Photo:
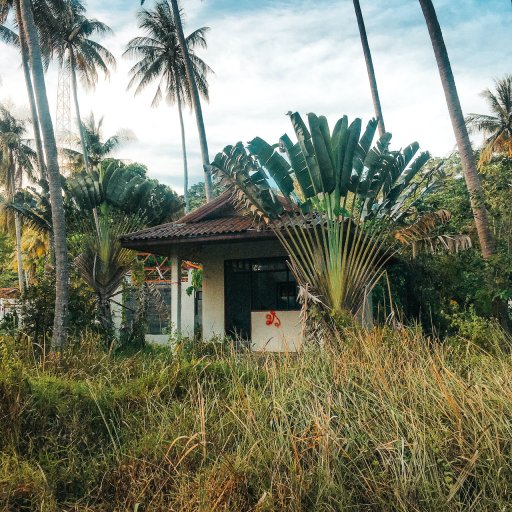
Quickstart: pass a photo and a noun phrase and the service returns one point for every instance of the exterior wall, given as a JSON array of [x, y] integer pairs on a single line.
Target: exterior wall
[[187, 309], [187, 315], [213, 277], [7, 306], [281, 332]]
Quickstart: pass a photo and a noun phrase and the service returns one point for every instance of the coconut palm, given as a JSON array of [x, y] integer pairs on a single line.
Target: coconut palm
[[9, 37], [16, 160], [67, 36], [497, 126], [196, 101], [161, 59], [54, 177], [485, 236], [98, 149], [369, 67]]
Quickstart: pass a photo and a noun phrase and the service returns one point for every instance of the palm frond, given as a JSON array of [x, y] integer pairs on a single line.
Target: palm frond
[[9, 37], [160, 57]]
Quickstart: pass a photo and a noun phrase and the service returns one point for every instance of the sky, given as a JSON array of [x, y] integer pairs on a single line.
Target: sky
[[271, 57]]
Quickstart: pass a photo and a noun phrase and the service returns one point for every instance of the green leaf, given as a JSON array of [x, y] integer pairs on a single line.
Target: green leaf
[[323, 153], [354, 131], [308, 151], [277, 166]]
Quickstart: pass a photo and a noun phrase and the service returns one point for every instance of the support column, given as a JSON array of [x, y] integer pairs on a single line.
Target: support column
[[176, 292]]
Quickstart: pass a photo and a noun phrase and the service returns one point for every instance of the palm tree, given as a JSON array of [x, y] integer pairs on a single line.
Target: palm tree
[[15, 160], [126, 200], [196, 102], [369, 67], [97, 148], [161, 59], [66, 35], [19, 40], [497, 126], [485, 236], [54, 177]]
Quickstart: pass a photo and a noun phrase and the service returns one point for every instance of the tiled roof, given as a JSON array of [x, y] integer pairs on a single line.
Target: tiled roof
[[217, 220], [9, 293], [209, 227]]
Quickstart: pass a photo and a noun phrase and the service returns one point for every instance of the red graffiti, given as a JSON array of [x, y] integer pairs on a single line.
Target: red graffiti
[[272, 318]]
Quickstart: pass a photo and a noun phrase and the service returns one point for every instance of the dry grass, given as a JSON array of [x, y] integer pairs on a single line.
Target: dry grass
[[392, 422]]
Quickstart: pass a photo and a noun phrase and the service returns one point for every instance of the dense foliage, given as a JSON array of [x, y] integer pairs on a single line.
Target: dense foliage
[[392, 423], [440, 288]]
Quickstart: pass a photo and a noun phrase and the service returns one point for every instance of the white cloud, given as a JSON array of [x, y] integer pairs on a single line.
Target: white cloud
[[303, 56]]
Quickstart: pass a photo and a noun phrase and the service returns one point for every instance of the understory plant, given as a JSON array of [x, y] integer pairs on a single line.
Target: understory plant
[[393, 422], [114, 200], [332, 200]]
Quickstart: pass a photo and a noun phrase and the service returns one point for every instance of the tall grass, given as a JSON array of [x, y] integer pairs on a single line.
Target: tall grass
[[394, 421]]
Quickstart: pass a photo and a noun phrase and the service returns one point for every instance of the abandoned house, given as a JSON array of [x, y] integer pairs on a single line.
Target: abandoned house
[[248, 291]]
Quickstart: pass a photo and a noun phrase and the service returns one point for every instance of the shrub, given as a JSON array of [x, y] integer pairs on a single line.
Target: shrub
[[393, 421]]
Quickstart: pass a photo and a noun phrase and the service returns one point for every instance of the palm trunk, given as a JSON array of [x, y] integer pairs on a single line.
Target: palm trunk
[[196, 102], [31, 99], [369, 67], [184, 150], [25, 60], [54, 179], [485, 236], [17, 226], [105, 314], [77, 110]]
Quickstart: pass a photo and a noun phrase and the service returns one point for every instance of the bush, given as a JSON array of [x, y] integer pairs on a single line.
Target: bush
[[393, 422], [39, 304]]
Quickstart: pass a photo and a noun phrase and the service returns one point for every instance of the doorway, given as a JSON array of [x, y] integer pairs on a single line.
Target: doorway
[[263, 284]]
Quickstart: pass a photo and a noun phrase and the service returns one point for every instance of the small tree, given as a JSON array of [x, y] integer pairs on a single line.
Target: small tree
[[125, 200]]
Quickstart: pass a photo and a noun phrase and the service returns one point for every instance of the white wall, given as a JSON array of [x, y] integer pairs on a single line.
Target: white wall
[[213, 277], [187, 315], [282, 333], [7, 306], [187, 309]]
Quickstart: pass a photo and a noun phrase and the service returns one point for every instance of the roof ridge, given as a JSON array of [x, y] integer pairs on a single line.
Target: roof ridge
[[204, 210]]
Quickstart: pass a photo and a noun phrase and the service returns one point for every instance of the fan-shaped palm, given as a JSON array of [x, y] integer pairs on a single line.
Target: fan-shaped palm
[[337, 196], [497, 126], [162, 60], [126, 200], [16, 159], [67, 36]]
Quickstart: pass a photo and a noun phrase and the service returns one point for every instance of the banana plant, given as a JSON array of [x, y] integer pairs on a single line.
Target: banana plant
[[330, 199]]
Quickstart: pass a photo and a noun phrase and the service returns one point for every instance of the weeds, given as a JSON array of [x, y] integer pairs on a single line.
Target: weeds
[[393, 421]]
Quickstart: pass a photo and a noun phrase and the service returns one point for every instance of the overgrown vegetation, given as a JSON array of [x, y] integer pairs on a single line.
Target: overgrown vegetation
[[395, 421]]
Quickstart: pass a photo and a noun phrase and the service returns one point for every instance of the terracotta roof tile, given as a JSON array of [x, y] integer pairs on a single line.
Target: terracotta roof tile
[[9, 293], [210, 227]]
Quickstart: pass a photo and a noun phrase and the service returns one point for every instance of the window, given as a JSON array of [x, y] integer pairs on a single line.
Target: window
[[270, 282], [158, 307]]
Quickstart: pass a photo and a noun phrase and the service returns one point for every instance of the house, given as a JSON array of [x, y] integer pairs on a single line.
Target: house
[[158, 278], [9, 301], [248, 291]]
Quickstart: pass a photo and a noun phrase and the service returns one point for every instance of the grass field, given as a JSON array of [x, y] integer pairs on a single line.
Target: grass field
[[393, 421]]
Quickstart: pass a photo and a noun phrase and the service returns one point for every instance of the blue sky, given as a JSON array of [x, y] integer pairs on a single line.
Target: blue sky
[[270, 57]]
